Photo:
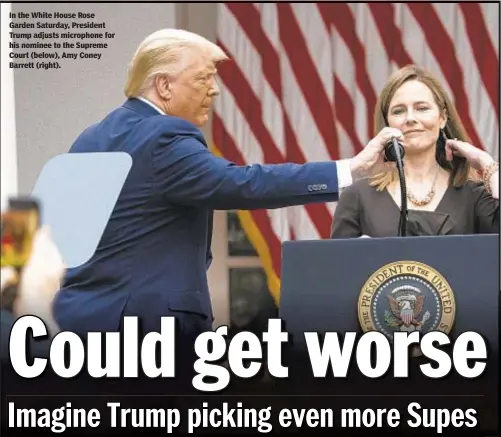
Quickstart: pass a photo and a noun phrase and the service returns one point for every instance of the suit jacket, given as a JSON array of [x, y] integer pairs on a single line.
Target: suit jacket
[[152, 258]]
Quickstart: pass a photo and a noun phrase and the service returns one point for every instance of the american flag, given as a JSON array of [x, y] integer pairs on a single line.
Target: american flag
[[304, 79]]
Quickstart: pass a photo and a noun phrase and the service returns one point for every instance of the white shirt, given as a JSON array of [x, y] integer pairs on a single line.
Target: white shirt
[[344, 178]]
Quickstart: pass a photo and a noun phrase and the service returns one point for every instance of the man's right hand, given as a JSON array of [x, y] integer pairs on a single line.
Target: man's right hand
[[370, 161]]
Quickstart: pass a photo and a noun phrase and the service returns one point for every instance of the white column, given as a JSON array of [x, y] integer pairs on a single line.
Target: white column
[[8, 123]]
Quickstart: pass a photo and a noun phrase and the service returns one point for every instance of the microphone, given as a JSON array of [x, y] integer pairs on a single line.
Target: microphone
[[394, 151], [391, 152]]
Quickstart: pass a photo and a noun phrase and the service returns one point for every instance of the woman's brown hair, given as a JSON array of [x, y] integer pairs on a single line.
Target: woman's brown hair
[[459, 168]]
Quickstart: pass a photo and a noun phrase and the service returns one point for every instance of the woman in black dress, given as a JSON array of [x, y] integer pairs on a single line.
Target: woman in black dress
[[452, 186]]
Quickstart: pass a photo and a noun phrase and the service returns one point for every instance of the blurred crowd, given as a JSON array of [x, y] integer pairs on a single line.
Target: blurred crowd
[[34, 289]]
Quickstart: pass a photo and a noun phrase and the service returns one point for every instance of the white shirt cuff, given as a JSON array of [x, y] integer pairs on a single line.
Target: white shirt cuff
[[344, 178]]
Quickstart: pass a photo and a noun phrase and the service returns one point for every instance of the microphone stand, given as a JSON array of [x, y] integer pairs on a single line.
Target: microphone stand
[[402, 227], [395, 152]]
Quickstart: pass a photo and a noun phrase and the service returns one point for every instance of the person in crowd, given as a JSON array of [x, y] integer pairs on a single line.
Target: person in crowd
[[35, 287], [452, 187], [155, 250]]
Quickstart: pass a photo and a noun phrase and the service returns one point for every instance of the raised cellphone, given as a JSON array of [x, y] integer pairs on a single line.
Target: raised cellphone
[[19, 225]]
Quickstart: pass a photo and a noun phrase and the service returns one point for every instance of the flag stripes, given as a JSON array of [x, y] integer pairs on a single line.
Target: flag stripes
[[305, 78]]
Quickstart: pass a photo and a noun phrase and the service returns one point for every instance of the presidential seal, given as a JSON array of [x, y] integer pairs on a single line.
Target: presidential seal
[[406, 296]]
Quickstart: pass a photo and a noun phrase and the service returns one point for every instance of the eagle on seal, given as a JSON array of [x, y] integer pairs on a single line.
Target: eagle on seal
[[404, 311]]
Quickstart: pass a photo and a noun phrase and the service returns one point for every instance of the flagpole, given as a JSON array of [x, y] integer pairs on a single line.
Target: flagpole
[[9, 182]]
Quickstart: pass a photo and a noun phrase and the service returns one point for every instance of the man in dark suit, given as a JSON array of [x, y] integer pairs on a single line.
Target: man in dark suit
[[154, 253]]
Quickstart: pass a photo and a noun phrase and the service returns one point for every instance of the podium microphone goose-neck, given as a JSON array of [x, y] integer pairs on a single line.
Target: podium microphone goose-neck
[[394, 152]]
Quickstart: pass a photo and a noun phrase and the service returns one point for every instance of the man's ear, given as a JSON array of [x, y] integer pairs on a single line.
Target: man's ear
[[163, 86]]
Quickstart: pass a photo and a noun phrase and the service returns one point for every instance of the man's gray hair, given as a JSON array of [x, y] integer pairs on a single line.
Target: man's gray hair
[[163, 52]]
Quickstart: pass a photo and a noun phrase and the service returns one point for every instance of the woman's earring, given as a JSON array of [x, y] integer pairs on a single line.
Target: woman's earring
[[444, 137], [440, 152]]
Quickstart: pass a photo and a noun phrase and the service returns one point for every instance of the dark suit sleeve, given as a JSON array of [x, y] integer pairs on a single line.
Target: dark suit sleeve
[[188, 173], [486, 211], [346, 221]]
